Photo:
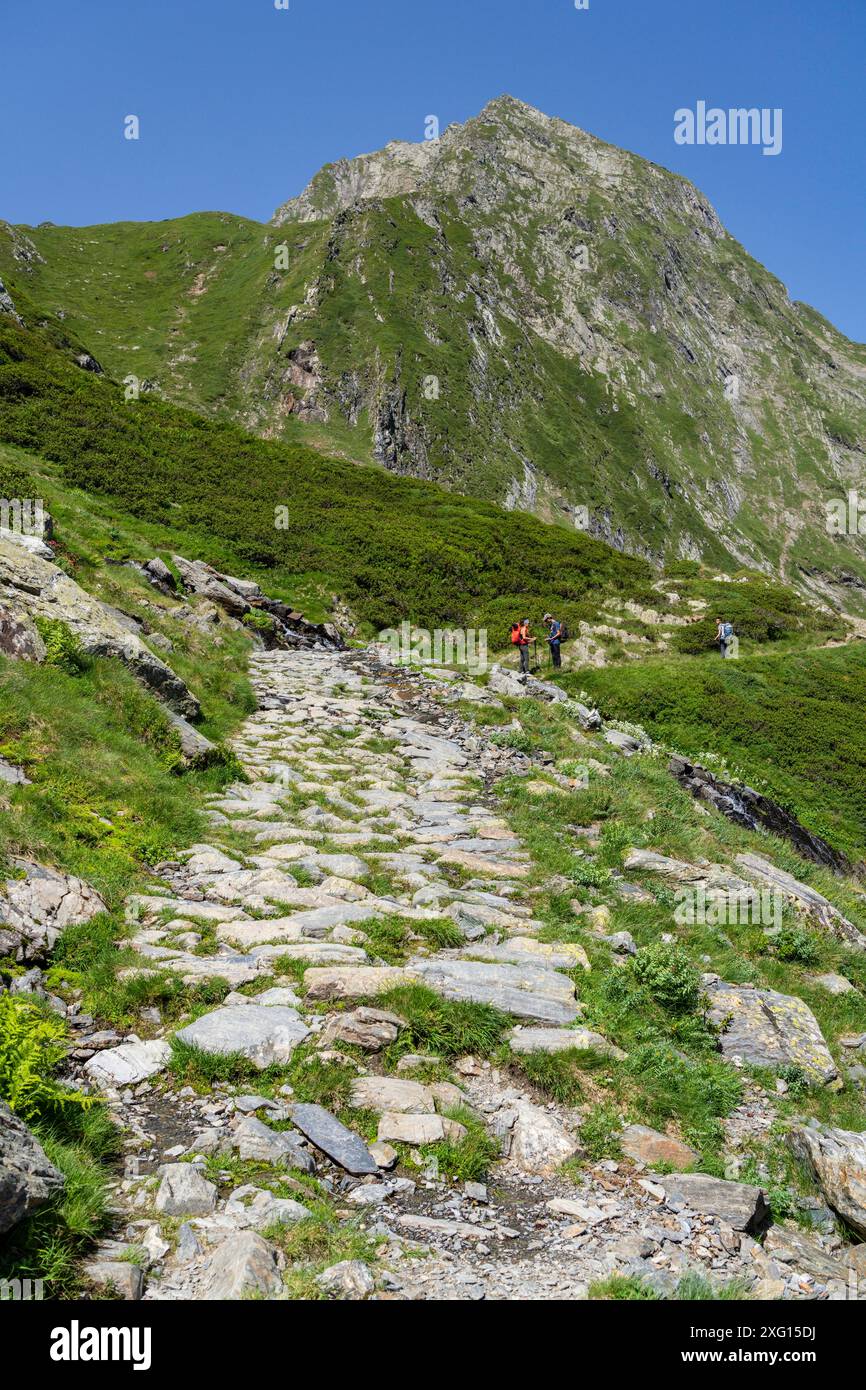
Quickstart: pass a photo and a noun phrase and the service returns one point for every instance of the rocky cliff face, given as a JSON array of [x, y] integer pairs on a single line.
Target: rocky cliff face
[[518, 311]]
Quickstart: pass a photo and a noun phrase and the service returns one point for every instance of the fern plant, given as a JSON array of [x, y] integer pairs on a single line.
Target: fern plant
[[62, 647], [32, 1044]]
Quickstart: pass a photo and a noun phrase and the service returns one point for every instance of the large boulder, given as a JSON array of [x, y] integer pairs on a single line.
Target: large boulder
[[837, 1158], [38, 906], [539, 1142], [739, 1204], [31, 587], [27, 1178], [766, 1029]]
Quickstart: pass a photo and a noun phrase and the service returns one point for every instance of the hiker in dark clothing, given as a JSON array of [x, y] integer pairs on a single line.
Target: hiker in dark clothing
[[554, 639]]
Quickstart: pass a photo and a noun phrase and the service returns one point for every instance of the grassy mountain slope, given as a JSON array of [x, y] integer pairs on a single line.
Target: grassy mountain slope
[[556, 386]]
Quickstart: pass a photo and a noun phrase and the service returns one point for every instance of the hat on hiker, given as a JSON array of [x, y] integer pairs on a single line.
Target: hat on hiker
[[548, 618]]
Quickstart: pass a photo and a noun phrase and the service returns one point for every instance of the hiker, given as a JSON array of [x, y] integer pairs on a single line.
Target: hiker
[[521, 638], [554, 638], [724, 633]]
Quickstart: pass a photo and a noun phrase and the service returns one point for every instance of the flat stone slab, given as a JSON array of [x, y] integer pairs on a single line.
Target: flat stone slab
[[739, 1204], [355, 982], [334, 1140], [264, 1034], [395, 1128], [649, 1146], [525, 950], [391, 1093], [483, 864], [767, 1029], [128, 1064], [526, 1040], [313, 923], [524, 991]]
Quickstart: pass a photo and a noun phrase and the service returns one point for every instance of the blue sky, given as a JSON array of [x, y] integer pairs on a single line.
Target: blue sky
[[240, 103]]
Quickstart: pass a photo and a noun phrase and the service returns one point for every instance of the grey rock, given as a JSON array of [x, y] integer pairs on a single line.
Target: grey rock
[[253, 1139], [524, 991], [128, 1064], [254, 1207], [768, 1029], [242, 1264], [184, 1192], [33, 587], [36, 908], [125, 1280], [837, 1158], [739, 1204], [263, 1034], [334, 1140], [348, 1279], [27, 1178]]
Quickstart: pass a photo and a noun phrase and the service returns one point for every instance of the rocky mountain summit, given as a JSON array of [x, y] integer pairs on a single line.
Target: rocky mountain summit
[[517, 310]]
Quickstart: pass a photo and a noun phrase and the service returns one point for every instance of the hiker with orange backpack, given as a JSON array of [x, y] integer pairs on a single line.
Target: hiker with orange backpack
[[521, 638]]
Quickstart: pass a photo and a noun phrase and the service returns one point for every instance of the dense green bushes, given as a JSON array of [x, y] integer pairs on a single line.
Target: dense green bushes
[[393, 547]]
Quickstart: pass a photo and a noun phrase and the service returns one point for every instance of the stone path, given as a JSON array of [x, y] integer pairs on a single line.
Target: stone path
[[366, 800]]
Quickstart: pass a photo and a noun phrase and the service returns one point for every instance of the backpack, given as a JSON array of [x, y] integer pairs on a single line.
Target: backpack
[[515, 634], [564, 633], [727, 631]]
